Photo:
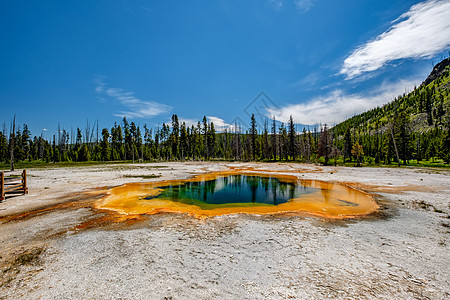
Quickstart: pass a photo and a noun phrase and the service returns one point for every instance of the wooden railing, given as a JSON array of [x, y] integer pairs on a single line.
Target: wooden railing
[[11, 183]]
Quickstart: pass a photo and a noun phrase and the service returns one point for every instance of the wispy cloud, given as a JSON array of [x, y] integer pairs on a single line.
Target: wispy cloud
[[276, 4], [301, 5], [337, 106], [304, 5], [307, 82], [421, 32], [100, 84], [147, 9], [135, 107]]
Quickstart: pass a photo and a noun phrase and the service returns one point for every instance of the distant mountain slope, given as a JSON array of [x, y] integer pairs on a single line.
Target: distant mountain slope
[[426, 106], [438, 71]]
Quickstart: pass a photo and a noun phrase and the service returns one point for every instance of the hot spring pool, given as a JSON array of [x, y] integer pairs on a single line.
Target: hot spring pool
[[224, 193]]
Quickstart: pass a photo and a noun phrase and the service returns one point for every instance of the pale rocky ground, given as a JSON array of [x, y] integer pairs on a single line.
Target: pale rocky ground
[[400, 252]]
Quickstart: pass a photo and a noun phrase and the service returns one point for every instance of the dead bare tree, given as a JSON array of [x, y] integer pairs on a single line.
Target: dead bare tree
[[12, 142]]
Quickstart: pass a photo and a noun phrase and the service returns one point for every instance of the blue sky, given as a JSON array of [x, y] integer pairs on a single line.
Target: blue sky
[[318, 60]]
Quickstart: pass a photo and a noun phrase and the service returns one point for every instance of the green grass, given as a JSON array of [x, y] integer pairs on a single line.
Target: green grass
[[438, 163], [65, 164], [368, 162]]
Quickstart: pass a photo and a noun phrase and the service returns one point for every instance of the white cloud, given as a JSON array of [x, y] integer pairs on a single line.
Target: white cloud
[[219, 124], [421, 32], [135, 107], [217, 121], [188, 122], [337, 106], [304, 5]]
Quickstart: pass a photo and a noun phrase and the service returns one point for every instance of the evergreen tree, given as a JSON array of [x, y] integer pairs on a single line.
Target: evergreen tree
[[184, 143], [305, 145], [211, 140], [292, 136], [157, 153], [118, 151], [347, 144], [253, 133], [274, 139], [26, 142], [325, 143], [104, 145], [388, 148], [205, 138], [266, 146], [55, 150], [128, 139], [138, 143], [84, 154], [175, 136], [134, 140], [3, 148], [445, 144], [402, 136], [19, 154], [237, 142], [283, 142]]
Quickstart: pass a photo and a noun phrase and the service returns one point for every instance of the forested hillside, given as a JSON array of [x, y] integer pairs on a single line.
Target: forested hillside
[[426, 106], [414, 126], [415, 123]]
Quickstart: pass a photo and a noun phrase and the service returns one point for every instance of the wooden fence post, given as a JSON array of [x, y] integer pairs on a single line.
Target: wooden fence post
[[24, 181], [2, 186]]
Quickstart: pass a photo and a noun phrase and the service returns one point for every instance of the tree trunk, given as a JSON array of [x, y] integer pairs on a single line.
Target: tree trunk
[[13, 139]]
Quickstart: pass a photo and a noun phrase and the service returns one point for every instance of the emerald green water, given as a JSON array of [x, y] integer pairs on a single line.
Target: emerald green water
[[233, 190]]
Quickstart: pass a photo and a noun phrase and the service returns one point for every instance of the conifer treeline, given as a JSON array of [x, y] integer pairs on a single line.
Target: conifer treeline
[[178, 142], [414, 126]]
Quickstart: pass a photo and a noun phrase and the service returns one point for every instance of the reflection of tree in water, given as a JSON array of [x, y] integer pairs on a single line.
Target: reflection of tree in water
[[325, 194], [234, 189], [237, 182], [253, 183], [210, 188], [265, 184], [292, 189], [274, 190], [174, 192], [198, 188], [283, 187]]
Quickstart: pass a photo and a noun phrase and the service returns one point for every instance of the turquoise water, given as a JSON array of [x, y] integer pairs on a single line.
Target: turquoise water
[[233, 190]]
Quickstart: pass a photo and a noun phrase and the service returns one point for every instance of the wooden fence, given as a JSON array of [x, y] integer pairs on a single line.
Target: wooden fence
[[13, 183]]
